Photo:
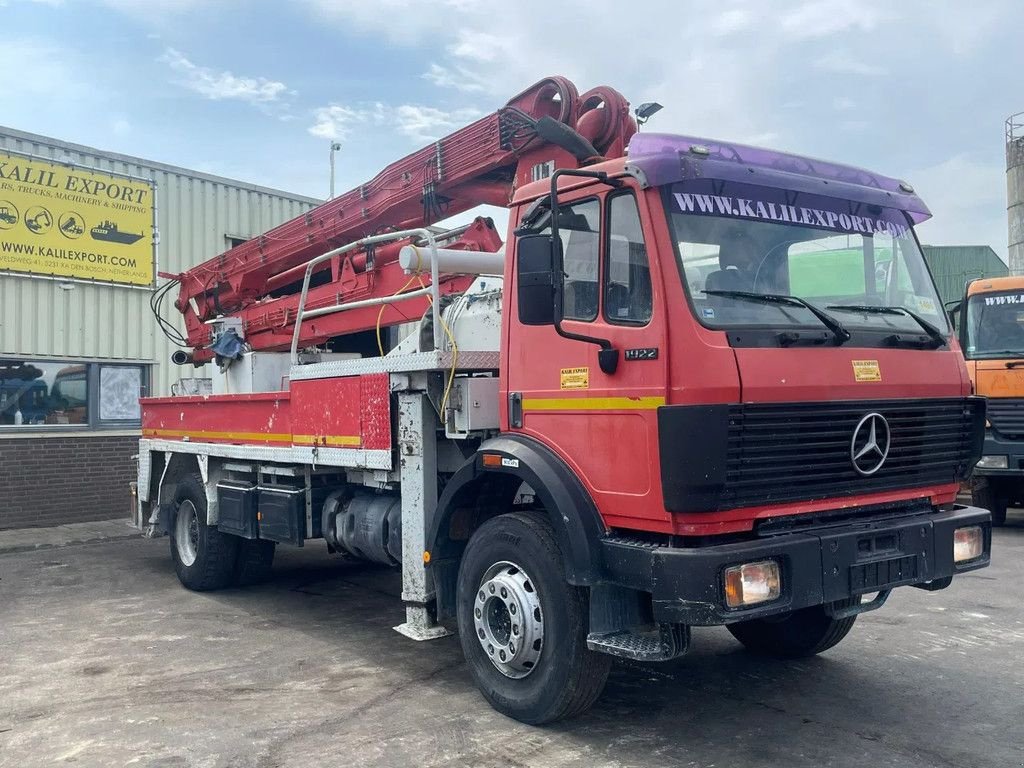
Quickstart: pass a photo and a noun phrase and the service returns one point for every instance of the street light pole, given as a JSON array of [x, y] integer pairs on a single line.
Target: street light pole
[[335, 146]]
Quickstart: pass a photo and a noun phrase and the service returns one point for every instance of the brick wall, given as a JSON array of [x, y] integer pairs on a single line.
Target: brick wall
[[65, 478]]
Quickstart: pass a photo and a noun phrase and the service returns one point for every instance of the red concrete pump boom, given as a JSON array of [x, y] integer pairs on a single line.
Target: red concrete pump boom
[[547, 126]]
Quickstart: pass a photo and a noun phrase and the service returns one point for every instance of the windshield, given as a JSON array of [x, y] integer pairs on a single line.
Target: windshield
[[844, 257], [995, 325]]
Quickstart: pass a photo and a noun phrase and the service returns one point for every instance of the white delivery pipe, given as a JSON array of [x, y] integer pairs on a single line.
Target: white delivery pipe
[[414, 259]]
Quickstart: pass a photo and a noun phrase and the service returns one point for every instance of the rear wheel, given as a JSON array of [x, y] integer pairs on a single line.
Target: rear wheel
[[523, 629], [795, 635], [990, 494], [204, 558]]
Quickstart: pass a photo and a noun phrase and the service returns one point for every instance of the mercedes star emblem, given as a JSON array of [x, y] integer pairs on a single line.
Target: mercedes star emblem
[[870, 444]]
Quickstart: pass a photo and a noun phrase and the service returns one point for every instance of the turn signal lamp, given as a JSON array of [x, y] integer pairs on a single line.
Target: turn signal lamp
[[968, 543], [751, 583]]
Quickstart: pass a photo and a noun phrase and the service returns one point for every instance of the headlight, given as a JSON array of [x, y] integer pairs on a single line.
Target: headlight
[[968, 543], [751, 583], [992, 462]]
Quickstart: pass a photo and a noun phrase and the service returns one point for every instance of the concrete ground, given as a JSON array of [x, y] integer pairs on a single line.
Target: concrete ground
[[106, 661]]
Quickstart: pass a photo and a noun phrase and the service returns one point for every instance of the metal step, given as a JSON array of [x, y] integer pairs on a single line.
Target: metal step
[[660, 643]]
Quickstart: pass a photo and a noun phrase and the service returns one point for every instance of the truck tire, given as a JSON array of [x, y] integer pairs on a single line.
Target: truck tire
[[204, 558], [794, 635], [255, 561], [989, 494], [522, 627]]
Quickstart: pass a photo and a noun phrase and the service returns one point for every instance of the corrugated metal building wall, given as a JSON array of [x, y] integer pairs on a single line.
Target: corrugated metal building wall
[[953, 266], [196, 213], [76, 464]]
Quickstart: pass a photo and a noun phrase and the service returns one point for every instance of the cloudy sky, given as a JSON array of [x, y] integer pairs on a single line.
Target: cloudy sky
[[918, 89]]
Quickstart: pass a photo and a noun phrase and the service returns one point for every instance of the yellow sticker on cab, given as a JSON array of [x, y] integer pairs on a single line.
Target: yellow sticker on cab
[[575, 378], [866, 370]]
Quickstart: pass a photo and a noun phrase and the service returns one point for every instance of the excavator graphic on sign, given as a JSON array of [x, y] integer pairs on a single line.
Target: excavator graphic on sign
[[40, 222]]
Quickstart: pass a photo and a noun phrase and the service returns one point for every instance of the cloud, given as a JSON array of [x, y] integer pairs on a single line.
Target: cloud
[[731, 21], [963, 28], [222, 85], [54, 70], [408, 22], [843, 63], [813, 76], [413, 121], [480, 46], [766, 139], [29, 103], [823, 18], [425, 124], [335, 121], [147, 9], [967, 196], [459, 78], [119, 126]]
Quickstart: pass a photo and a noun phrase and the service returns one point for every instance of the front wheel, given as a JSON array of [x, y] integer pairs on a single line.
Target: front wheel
[[523, 629], [991, 495], [795, 635]]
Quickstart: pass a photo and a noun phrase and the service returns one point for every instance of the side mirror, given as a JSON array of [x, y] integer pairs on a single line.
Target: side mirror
[[953, 311], [538, 280]]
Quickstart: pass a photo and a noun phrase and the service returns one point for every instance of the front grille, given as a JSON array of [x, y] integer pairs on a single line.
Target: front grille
[[801, 451], [1007, 416]]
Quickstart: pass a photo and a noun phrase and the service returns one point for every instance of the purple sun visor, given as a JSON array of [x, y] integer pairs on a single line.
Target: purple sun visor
[[660, 158]]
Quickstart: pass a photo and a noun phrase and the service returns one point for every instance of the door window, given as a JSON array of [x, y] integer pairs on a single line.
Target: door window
[[627, 292], [578, 229]]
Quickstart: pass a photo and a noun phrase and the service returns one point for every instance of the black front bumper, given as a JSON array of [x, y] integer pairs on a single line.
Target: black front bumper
[[818, 566], [1012, 449]]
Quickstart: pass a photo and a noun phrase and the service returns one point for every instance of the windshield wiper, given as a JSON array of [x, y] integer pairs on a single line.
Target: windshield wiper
[[870, 309], [838, 331], [1006, 352], [997, 353], [1000, 354]]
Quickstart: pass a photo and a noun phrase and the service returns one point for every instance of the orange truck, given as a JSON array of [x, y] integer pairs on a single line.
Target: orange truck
[[992, 338]]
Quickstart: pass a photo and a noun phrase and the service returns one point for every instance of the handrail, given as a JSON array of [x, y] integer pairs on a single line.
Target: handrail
[[432, 289], [1015, 127]]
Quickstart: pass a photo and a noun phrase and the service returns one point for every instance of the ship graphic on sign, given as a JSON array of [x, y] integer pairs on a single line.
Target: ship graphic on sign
[[109, 232]]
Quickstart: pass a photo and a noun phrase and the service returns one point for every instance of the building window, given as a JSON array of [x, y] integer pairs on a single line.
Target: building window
[[234, 242], [120, 387], [37, 394]]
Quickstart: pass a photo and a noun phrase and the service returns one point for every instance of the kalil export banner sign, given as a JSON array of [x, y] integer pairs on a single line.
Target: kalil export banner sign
[[67, 221]]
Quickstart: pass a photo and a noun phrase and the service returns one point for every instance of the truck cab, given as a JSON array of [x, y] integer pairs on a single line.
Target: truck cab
[[992, 338], [766, 314]]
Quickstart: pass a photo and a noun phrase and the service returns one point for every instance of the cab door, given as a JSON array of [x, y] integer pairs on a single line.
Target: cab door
[[602, 423]]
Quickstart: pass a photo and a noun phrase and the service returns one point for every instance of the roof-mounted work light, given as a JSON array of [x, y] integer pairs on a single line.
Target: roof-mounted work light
[[646, 111]]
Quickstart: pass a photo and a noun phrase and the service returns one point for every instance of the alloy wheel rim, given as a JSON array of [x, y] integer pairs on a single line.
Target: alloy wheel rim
[[508, 620]]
